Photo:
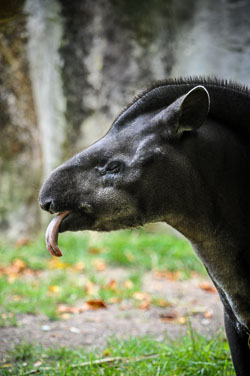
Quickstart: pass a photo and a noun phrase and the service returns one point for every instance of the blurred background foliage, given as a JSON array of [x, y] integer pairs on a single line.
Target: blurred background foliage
[[67, 68]]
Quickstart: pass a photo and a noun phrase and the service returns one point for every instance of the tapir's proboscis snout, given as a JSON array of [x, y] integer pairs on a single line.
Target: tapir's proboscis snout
[[179, 153]]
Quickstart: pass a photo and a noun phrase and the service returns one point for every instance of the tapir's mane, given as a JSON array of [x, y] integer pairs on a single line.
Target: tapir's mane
[[229, 101]]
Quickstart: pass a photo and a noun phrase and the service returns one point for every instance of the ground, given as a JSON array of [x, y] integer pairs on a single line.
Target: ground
[[192, 301]]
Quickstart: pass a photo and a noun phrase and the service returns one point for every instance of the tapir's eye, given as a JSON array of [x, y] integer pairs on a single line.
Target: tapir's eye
[[113, 167]]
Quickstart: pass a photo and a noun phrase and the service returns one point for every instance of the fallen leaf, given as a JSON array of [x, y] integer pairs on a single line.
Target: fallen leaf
[[207, 287], [95, 251], [65, 316], [128, 284], [182, 320], [144, 297], [54, 289], [63, 308], [208, 314], [55, 263], [92, 304], [79, 266], [145, 304], [169, 317], [18, 265], [96, 304], [166, 274], [91, 288], [112, 285], [99, 264], [15, 269], [138, 295], [114, 299]]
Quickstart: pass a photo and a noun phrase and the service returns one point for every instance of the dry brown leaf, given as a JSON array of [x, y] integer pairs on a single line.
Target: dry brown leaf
[[99, 264], [208, 314], [79, 266], [145, 304], [114, 300], [96, 304], [91, 288], [17, 268], [92, 304], [128, 284], [63, 308], [139, 295], [169, 317], [144, 297], [65, 316], [18, 265], [182, 320], [207, 287], [112, 285], [166, 274], [95, 250], [54, 289], [56, 263]]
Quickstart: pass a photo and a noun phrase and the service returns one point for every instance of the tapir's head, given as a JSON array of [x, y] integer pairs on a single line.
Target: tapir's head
[[131, 175]]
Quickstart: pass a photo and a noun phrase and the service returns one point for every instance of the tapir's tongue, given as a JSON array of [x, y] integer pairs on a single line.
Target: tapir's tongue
[[51, 235]]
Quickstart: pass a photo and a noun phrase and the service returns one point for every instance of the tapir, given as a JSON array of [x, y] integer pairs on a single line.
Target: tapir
[[178, 153]]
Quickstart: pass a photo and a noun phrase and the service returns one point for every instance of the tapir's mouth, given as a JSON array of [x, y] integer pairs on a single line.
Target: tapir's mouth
[[66, 221], [51, 235]]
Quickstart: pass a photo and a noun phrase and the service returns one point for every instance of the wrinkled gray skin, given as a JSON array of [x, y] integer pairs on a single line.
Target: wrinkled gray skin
[[178, 164]]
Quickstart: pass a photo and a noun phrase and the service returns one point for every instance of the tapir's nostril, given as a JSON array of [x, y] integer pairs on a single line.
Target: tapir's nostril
[[46, 205]]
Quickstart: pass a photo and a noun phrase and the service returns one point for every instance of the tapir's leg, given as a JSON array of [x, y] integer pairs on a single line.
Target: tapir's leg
[[238, 342]]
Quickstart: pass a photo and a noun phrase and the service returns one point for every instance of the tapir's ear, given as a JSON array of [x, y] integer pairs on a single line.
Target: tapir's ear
[[186, 113]]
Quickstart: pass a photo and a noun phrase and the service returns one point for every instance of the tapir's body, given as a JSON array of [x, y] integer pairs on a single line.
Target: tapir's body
[[179, 153]]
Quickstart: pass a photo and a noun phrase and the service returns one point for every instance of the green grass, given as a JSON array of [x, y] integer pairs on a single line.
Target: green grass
[[32, 281], [122, 248], [150, 251], [189, 356]]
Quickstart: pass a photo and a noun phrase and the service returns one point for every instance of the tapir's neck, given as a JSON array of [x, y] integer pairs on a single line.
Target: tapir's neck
[[214, 198], [215, 214]]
